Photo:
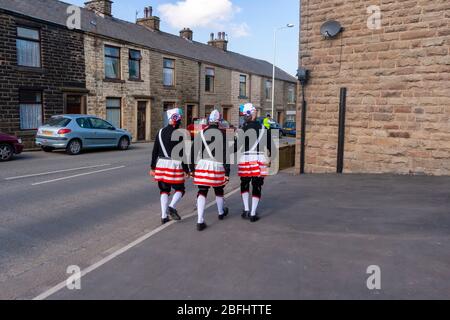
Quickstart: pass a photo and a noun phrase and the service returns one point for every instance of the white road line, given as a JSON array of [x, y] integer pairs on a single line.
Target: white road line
[[119, 252], [53, 172], [76, 176]]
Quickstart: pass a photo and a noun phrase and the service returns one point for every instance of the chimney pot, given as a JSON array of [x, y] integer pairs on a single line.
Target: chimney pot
[[149, 21]]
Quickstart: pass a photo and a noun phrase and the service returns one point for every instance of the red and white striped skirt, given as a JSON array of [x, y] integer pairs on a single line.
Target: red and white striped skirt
[[169, 171], [253, 165], [209, 173]]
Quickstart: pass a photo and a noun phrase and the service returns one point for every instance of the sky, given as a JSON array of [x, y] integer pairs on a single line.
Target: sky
[[248, 23]]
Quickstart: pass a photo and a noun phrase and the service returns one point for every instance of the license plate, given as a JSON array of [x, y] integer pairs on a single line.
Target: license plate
[[47, 133]]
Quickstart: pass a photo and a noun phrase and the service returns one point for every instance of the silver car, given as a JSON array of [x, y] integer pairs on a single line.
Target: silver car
[[77, 132]]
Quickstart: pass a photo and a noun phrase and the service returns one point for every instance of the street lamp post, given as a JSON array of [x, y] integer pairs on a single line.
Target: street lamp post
[[290, 25]]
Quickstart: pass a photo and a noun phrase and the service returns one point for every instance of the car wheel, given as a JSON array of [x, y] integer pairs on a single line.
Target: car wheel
[[6, 152], [47, 149], [74, 147], [124, 143]]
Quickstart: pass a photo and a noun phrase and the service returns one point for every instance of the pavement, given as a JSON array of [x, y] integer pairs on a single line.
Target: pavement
[[317, 238]]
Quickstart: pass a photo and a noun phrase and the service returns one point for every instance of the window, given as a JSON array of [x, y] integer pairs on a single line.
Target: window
[[112, 62], [113, 111], [268, 90], [134, 65], [58, 122], [28, 44], [169, 72], [209, 79], [30, 104], [243, 86], [99, 124], [291, 94], [84, 123]]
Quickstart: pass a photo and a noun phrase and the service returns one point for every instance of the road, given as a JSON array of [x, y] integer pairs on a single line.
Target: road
[[58, 211]]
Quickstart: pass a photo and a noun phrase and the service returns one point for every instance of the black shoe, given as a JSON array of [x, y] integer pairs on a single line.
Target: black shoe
[[245, 215], [174, 214], [254, 219], [164, 221], [225, 213], [201, 226]]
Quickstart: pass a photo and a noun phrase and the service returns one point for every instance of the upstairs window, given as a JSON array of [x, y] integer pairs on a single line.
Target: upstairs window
[[112, 62], [134, 65], [28, 44], [291, 94], [243, 86], [169, 72], [210, 79], [268, 90]]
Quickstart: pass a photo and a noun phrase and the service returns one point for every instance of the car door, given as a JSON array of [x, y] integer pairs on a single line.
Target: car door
[[105, 134], [85, 132]]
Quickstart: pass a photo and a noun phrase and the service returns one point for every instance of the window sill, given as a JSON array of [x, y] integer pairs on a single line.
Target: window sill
[[136, 80], [168, 87], [114, 80], [242, 97], [31, 69]]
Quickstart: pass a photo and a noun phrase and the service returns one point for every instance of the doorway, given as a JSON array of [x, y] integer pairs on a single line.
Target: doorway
[[226, 113], [280, 117], [142, 121], [190, 114], [74, 104]]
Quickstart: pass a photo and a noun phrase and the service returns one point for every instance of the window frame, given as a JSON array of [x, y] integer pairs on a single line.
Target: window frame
[[119, 59], [268, 95], [116, 108], [22, 102], [173, 72], [212, 87], [139, 62], [39, 42], [291, 93], [240, 86]]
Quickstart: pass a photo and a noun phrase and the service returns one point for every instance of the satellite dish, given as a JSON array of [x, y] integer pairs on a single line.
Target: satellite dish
[[331, 29]]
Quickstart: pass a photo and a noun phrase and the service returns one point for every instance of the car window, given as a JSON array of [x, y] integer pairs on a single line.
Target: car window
[[100, 124], [58, 122], [84, 123]]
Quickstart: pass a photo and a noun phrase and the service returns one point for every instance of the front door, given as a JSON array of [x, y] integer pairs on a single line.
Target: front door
[[190, 114], [142, 121], [74, 104]]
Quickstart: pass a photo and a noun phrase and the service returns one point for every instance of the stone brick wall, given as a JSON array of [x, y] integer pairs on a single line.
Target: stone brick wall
[[129, 91], [62, 54], [222, 89], [398, 81], [186, 90]]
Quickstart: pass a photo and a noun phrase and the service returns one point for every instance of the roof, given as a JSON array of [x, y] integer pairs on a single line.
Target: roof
[[54, 11]]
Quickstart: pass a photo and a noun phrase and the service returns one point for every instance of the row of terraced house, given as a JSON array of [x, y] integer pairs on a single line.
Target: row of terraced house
[[127, 73]]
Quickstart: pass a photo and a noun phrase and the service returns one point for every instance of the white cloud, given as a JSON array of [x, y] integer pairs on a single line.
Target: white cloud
[[214, 14], [240, 30]]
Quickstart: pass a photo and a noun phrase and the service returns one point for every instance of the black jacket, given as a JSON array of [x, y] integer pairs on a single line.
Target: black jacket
[[255, 125], [196, 147], [168, 144]]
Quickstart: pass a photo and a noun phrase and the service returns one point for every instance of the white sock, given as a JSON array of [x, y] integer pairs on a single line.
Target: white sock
[[164, 205], [255, 203], [176, 198], [246, 198], [220, 204], [201, 203]]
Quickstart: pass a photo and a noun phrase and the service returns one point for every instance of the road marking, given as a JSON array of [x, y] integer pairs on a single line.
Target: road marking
[[53, 172], [77, 175], [119, 252]]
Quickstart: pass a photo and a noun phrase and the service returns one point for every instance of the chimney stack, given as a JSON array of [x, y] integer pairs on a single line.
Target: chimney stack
[[187, 34], [102, 7], [149, 21], [220, 42]]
